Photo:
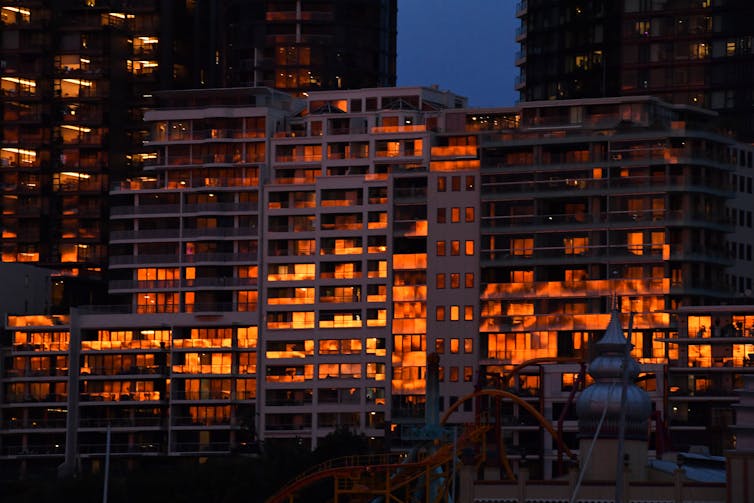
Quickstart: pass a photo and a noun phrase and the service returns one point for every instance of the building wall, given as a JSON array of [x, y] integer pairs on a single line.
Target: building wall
[[77, 79], [695, 53], [286, 267], [26, 289], [740, 243]]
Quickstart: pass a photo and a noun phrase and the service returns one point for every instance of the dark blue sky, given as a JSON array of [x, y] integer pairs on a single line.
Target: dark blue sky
[[465, 46]]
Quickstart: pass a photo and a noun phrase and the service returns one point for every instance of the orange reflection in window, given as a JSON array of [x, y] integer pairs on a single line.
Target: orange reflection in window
[[522, 246], [247, 337], [460, 165]]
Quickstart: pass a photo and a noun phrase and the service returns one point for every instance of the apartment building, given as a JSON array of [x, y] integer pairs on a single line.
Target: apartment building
[[285, 267], [76, 78], [297, 46], [713, 349], [740, 242], [696, 52]]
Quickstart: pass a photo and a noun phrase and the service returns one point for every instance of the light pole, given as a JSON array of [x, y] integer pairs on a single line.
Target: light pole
[[107, 465]]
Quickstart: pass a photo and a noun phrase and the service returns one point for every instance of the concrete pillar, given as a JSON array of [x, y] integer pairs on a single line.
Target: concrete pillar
[[523, 477], [678, 478], [432, 403], [70, 464], [466, 476], [740, 475], [573, 476]]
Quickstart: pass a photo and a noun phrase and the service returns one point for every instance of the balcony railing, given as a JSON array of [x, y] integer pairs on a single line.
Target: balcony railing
[[174, 258], [185, 283], [415, 128]]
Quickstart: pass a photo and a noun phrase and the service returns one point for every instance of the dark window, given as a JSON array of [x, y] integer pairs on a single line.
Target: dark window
[[455, 184]]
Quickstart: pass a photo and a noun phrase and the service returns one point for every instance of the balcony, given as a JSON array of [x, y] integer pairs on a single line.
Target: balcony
[[220, 232], [281, 16], [152, 209], [150, 235], [119, 422], [130, 260], [566, 187], [34, 424], [415, 128], [454, 151], [200, 448], [410, 194], [588, 288], [298, 158]]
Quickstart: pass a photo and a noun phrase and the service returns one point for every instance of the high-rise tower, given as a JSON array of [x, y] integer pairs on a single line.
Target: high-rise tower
[[696, 52], [77, 77], [296, 46]]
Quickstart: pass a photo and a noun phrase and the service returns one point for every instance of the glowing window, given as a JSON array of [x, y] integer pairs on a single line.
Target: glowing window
[[469, 247], [440, 346], [700, 50], [658, 240], [635, 241], [575, 245], [455, 280], [377, 269], [520, 308], [246, 300], [441, 248], [455, 345], [376, 317], [453, 374], [455, 312], [440, 281], [522, 276], [642, 28], [522, 246], [455, 247], [575, 275]]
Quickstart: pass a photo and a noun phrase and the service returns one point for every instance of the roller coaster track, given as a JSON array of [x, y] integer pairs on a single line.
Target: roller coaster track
[[389, 476]]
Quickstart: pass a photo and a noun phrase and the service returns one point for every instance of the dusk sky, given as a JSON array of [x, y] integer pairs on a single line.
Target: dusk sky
[[464, 46]]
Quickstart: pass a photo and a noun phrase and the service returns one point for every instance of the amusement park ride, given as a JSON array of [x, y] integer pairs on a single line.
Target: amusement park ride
[[428, 472]]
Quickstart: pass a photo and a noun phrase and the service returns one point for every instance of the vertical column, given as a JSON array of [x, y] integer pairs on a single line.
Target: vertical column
[[69, 466]]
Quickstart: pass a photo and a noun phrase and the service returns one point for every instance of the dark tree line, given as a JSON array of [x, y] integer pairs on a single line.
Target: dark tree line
[[229, 479]]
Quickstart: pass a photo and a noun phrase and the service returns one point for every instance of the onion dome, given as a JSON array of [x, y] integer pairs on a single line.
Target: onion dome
[[604, 396]]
